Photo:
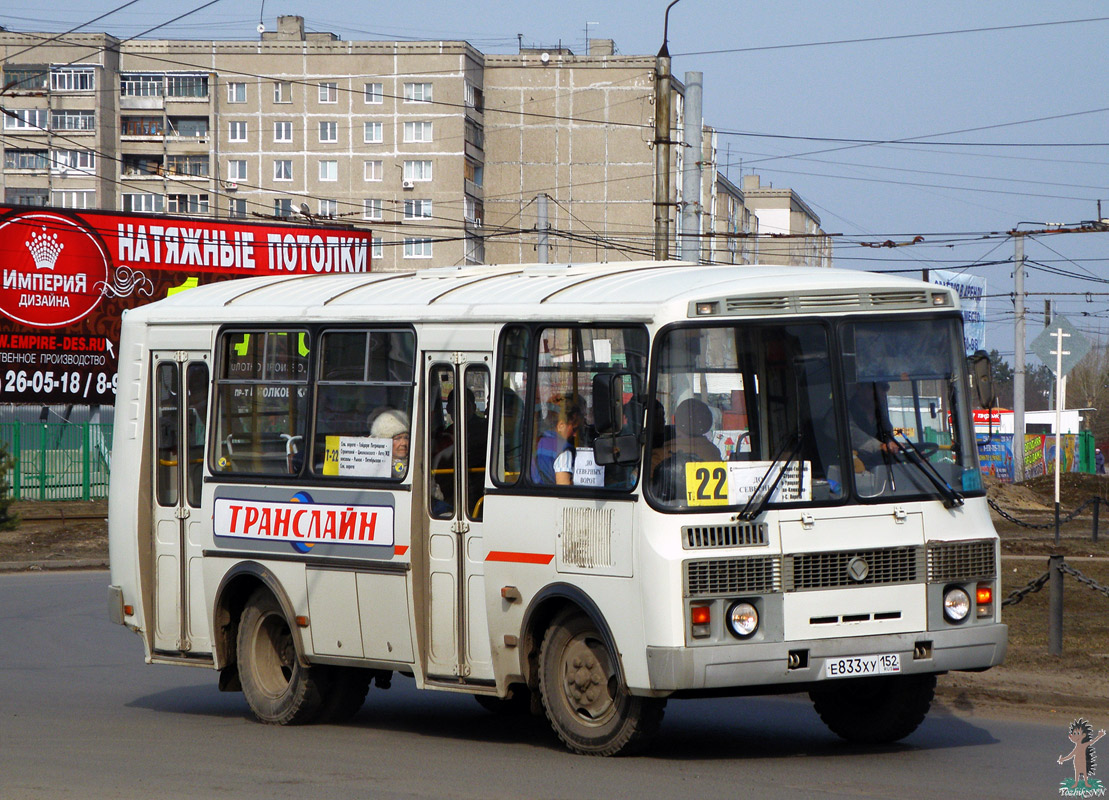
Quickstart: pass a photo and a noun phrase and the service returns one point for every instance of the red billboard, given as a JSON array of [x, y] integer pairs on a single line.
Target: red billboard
[[67, 276]]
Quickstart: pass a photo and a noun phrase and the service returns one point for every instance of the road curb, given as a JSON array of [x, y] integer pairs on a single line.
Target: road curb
[[53, 565]]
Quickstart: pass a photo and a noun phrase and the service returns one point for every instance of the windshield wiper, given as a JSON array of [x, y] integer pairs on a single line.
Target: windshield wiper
[[753, 509], [951, 498]]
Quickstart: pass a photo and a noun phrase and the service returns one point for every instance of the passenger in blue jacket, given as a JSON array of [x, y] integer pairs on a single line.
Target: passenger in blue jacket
[[553, 463]]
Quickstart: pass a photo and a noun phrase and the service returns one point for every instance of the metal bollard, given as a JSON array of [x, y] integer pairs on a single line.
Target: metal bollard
[[1055, 606]]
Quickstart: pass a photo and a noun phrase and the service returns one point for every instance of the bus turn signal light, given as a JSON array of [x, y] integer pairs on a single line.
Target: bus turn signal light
[[701, 617]]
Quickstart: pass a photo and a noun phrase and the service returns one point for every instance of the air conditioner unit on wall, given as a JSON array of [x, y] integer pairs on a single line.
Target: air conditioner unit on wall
[[407, 185]]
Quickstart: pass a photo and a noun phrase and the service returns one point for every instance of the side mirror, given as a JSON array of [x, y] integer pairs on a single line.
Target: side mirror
[[982, 371], [616, 448], [608, 415]]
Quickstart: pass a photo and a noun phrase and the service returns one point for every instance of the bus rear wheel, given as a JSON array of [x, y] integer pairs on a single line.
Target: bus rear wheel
[[875, 710], [589, 709], [278, 688]]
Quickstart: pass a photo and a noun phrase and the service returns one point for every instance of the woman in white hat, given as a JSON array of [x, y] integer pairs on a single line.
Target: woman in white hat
[[392, 424]]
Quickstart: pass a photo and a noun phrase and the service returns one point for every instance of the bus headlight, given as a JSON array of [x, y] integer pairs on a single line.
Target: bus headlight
[[742, 620], [956, 604]]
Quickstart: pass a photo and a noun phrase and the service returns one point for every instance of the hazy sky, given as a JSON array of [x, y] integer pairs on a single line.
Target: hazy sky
[[790, 69]]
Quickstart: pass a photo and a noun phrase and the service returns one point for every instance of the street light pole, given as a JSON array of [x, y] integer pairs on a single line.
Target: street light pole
[[662, 143]]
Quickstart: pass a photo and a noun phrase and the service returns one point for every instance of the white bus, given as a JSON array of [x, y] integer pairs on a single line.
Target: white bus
[[579, 490]]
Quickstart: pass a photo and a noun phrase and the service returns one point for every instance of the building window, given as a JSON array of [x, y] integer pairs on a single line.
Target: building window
[[473, 172], [196, 166], [187, 86], [373, 133], [329, 92], [475, 134], [283, 169], [373, 171], [417, 170], [236, 92], [329, 170], [25, 159], [475, 250], [187, 203], [23, 118], [236, 131], [417, 209], [192, 127], [138, 85], [371, 209], [417, 92], [376, 249], [142, 202], [143, 126], [25, 77], [72, 79], [329, 208], [472, 210], [236, 169], [417, 248], [417, 131], [76, 160], [475, 98], [282, 131], [329, 131], [374, 94], [26, 197], [236, 207], [72, 120], [73, 198], [282, 92], [283, 207]]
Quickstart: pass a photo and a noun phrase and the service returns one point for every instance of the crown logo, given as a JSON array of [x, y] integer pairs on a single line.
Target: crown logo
[[45, 249]]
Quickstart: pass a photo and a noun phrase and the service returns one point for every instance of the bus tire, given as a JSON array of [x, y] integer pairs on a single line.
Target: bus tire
[[278, 689], [585, 702], [344, 693], [875, 710]]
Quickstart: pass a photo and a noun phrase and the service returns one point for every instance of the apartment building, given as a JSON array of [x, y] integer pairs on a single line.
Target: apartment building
[[442, 150]]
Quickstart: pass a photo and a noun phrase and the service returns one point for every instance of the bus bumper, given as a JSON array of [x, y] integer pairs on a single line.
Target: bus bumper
[[672, 669]]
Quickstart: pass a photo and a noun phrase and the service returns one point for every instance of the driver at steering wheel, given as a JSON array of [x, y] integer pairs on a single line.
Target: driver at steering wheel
[[692, 420], [871, 430]]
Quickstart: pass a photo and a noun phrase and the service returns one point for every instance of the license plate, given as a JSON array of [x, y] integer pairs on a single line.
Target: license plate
[[861, 666]]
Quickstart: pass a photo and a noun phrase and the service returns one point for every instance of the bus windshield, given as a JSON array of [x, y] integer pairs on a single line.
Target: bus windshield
[[753, 414]]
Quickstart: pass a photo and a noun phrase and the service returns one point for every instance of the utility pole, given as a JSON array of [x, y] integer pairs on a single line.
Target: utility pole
[[1018, 358], [542, 225], [662, 144], [692, 169]]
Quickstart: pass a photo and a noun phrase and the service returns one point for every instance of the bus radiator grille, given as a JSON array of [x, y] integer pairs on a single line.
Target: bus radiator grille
[[746, 534], [730, 576], [850, 568], [950, 561], [587, 537]]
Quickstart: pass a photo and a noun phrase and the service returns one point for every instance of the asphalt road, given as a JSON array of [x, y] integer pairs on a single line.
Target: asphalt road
[[81, 716]]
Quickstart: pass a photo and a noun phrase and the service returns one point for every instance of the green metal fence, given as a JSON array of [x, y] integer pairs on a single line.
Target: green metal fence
[[67, 461]]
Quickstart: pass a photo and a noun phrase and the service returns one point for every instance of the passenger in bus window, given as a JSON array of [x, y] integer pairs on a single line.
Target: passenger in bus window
[[393, 424], [553, 463]]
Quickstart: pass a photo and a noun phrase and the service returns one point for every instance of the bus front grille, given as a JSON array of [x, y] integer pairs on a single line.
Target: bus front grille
[[743, 534], [949, 561], [849, 568], [731, 576]]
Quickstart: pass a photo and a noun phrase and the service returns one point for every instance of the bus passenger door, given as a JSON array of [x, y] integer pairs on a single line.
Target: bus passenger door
[[456, 405], [181, 379]]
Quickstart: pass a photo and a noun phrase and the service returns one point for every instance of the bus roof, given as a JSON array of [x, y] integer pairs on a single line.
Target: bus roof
[[626, 291]]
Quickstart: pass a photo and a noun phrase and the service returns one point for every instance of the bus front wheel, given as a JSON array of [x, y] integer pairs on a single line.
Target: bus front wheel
[[278, 689], [589, 709], [874, 710]]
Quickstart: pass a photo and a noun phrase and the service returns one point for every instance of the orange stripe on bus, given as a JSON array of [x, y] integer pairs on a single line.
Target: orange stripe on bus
[[400, 549], [519, 558]]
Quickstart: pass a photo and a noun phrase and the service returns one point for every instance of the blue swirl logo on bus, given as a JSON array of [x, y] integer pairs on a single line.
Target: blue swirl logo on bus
[[302, 547]]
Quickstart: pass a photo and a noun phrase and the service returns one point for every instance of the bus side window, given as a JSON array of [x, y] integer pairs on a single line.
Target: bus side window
[[364, 389]]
